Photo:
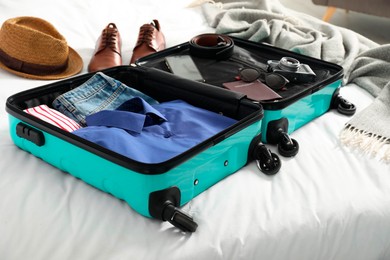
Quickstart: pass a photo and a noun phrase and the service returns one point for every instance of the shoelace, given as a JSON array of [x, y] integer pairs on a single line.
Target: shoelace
[[109, 37], [146, 34]]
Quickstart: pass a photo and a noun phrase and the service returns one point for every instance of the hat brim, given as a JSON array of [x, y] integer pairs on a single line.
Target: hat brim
[[75, 65]]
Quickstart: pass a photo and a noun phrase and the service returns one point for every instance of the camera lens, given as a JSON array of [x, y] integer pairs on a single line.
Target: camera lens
[[289, 64]]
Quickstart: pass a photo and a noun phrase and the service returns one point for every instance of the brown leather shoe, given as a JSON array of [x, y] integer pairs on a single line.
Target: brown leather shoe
[[108, 50], [150, 40]]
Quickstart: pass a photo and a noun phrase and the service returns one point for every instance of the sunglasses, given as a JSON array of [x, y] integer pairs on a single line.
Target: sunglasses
[[272, 80]]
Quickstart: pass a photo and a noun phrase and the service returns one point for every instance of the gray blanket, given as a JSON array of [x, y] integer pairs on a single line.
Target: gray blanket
[[365, 62]]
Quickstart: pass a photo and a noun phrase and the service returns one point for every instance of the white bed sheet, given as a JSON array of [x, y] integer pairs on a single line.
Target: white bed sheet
[[327, 202]]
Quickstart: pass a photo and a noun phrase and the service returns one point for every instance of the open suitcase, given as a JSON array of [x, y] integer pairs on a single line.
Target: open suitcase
[[219, 59], [154, 190]]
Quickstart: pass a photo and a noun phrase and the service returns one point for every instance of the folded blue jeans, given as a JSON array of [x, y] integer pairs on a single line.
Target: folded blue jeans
[[100, 92]]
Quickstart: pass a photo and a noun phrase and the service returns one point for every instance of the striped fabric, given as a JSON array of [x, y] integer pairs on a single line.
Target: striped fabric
[[53, 117]]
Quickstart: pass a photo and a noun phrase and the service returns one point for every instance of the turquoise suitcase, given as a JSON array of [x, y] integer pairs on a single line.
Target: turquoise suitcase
[[153, 190], [219, 59]]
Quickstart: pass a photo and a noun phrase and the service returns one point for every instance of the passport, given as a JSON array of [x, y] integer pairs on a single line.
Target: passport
[[255, 90]]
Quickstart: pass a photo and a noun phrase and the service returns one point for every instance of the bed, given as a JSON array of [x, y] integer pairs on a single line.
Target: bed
[[328, 202]]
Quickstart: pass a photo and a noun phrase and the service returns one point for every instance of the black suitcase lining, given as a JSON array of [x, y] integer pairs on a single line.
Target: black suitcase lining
[[251, 54]]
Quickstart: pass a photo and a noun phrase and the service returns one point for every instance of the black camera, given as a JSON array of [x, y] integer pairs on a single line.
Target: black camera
[[292, 69]]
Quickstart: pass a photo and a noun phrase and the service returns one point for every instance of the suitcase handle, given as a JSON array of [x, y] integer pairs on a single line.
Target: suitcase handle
[[29, 133]]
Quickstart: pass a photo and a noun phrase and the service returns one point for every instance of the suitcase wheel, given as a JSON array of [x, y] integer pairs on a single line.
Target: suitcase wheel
[[343, 106], [179, 219], [287, 146], [266, 161], [277, 133], [163, 205]]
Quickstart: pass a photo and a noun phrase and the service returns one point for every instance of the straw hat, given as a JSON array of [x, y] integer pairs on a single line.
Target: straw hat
[[32, 48]]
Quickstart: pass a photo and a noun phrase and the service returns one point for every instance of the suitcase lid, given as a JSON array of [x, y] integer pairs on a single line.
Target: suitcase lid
[[255, 55]]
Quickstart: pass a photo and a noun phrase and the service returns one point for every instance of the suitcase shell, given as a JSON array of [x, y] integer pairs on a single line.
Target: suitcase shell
[[145, 187], [299, 104]]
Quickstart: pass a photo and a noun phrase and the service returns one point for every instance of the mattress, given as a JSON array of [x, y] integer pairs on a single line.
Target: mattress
[[327, 202]]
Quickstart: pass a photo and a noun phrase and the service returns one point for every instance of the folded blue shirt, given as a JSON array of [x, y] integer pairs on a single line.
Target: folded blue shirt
[[152, 133]]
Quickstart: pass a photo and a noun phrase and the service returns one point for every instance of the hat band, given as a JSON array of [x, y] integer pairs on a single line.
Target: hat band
[[30, 68]]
